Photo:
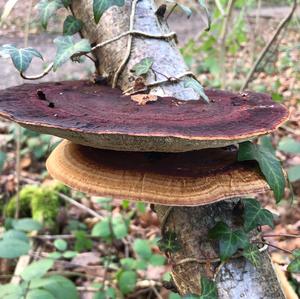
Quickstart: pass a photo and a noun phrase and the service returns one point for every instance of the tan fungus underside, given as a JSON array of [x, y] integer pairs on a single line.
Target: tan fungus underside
[[74, 170]]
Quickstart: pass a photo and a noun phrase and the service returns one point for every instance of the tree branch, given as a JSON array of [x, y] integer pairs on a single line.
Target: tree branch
[[263, 53]]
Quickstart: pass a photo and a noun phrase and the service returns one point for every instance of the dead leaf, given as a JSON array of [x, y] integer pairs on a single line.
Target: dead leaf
[[143, 99]]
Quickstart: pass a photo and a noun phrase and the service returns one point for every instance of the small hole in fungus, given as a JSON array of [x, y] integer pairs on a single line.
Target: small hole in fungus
[[51, 105], [41, 95]]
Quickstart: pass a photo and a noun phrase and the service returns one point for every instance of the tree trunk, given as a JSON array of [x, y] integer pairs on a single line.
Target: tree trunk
[[238, 278]]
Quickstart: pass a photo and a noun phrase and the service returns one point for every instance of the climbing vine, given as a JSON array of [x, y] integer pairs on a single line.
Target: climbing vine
[[67, 48]]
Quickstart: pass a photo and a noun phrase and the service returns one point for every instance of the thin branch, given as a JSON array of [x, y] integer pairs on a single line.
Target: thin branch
[[220, 7], [79, 205], [129, 45], [265, 50], [274, 246], [171, 11], [223, 36], [280, 235]]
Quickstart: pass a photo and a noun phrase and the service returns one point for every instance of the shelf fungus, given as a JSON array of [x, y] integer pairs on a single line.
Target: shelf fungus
[[174, 179], [101, 117]]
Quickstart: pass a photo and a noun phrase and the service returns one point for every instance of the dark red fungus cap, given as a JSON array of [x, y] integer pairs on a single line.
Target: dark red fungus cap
[[101, 117], [180, 179]]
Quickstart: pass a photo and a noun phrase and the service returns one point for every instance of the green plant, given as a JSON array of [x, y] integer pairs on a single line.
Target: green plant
[[40, 202]]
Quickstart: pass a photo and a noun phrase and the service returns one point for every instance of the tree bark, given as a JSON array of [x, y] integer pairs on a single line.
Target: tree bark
[[167, 58], [238, 278]]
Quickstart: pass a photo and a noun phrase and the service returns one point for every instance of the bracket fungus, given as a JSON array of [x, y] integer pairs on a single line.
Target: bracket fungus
[[175, 179], [101, 117]]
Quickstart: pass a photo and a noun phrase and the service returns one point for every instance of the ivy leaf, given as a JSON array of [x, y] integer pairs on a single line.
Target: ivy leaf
[[229, 241], [294, 266], [142, 249], [255, 215], [59, 286], [294, 173], [2, 160], [268, 163], [127, 281], [184, 8], [143, 67], [21, 57], [103, 229], [119, 227], [196, 86], [208, 289], [72, 25], [169, 242], [39, 294], [66, 3], [66, 48], [289, 145], [47, 9], [27, 225], [11, 291], [37, 269], [100, 6], [60, 244], [13, 248], [252, 254]]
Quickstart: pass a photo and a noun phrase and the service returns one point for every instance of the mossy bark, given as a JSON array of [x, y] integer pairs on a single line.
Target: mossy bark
[[238, 278]]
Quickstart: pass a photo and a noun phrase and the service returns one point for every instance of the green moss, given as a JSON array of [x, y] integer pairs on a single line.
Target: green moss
[[26, 195], [41, 203]]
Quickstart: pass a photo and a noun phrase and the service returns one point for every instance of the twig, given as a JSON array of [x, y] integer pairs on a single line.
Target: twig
[[220, 7], [274, 246], [219, 268], [157, 294], [171, 11], [223, 36], [131, 90], [129, 45], [165, 219], [79, 205], [281, 235], [265, 50]]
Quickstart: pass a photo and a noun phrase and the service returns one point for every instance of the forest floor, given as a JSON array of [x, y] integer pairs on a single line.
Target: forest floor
[[144, 224]]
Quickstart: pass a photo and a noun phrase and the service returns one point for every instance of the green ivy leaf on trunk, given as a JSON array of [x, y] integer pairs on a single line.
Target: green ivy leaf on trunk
[[252, 254], [209, 289], [47, 9], [143, 67], [255, 215], [196, 86], [21, 57], [66, 48], [72, 25], [169, 242], [100, 6], [268, 163], [229, 240]]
